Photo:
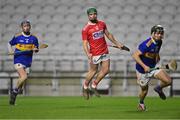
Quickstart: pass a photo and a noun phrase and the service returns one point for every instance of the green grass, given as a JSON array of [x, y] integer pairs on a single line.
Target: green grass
[[95, 108]]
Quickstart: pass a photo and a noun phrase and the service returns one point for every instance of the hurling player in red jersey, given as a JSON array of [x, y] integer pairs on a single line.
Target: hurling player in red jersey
[[95, 47]]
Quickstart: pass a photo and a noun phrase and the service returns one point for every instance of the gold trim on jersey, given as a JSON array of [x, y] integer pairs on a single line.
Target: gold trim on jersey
[[23, 47], [18, 34], [151, 55], [21, 33], [150, 42]]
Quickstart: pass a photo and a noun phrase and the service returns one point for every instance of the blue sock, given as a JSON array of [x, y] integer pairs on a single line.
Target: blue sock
[[158, 87], [15, 90]]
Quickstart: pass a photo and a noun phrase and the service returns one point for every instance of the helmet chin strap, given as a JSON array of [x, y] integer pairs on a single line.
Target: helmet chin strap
[[26, 33]]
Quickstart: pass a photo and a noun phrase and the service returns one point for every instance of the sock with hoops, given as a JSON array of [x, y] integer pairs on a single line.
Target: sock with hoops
[[94, 84], [158, 87], [86, 84]]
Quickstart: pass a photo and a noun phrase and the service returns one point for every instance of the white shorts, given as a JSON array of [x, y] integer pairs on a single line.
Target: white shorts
[[19, 65], [144, 78], [99, 58]]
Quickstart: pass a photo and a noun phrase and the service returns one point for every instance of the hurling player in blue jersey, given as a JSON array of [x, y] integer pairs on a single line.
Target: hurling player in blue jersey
[[27, 44], [147, 57]]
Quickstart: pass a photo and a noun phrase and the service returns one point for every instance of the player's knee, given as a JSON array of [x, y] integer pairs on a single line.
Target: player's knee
[[23, 77], [106, 71], [169, 81]]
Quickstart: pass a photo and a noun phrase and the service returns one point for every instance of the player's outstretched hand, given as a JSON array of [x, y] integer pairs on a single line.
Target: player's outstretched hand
[[11, 53], [125, 48], [35, 50]]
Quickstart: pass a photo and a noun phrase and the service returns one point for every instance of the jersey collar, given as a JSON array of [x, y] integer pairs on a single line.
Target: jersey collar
[[25, 34], [153, 41], [90, 23]]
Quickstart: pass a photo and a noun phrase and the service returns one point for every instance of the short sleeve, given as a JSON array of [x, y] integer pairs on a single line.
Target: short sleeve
[[84, 34], [36, 43], [13, 41], [143, 48], [105, 27]]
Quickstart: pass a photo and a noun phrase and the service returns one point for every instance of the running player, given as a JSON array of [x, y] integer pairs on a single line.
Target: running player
[[96, 49], [146, 57], [27, 43]]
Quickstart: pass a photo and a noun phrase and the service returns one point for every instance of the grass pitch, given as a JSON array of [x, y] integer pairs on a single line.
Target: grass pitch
[[95, 108]]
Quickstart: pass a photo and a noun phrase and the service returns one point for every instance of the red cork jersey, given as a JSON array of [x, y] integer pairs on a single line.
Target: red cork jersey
[[94, 34]]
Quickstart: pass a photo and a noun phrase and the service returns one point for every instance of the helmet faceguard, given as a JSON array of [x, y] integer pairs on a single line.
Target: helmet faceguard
[[25, 22]]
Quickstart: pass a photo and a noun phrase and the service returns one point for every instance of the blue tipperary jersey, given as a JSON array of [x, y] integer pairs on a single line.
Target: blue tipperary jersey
[[150, 51], [24, 43]]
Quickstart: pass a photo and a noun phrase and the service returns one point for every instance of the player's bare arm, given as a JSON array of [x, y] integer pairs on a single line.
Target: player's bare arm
[[112, 39], [10, 48], [136, 55], [86, 49], [35, 50], [157, 58]]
